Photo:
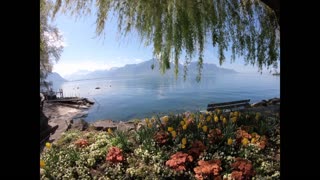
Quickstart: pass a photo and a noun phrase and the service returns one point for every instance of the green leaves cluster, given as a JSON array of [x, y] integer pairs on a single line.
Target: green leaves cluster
[[49, 35]]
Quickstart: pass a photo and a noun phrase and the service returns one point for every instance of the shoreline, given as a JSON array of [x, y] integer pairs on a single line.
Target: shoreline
[[61, 115], [68, 117]]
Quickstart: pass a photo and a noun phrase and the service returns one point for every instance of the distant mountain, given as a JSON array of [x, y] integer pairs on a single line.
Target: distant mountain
[[55, 78], [80, 73], [144, 69]]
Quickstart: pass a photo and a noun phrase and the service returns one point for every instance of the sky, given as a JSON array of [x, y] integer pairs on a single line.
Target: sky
[[84, 51]]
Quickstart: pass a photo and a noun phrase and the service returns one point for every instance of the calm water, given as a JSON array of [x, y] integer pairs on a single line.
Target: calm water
[[127, 98]]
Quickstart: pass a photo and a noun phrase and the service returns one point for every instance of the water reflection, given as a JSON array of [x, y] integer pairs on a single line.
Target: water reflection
[[126, 97]]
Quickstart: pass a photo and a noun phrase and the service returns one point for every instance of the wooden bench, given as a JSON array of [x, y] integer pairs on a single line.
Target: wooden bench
[[232, 105]]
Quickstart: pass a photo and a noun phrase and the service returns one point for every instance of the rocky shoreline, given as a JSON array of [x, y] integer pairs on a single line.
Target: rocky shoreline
[[66, 117]]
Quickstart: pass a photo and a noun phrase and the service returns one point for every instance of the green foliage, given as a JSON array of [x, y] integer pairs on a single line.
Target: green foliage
[[120, 139], [49, 35], [68, 137], [250, 28]]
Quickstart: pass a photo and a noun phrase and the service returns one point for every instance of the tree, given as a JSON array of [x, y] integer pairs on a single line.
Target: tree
[[249, 27], [50, 51]]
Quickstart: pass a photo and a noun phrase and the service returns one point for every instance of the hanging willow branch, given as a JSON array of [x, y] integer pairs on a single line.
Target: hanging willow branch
[[250, 28]]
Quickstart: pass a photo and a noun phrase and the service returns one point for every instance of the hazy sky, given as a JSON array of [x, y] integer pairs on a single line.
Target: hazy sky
[[84, 51]]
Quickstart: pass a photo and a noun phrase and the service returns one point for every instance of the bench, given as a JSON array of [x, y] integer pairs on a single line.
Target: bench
[[232, 105]]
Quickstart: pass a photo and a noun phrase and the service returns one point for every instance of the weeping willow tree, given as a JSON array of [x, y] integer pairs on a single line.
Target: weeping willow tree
[[247, 28], [50, 49]]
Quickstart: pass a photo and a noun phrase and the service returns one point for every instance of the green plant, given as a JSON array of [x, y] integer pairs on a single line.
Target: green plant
[[121, 140]]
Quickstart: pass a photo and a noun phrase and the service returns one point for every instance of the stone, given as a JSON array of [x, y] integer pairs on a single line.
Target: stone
[[104, 125], [274, 101], [79, 124], [125, 126]]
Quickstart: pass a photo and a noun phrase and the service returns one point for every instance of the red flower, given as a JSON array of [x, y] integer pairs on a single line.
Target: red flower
[[161, 137], [243, 169], [115, 155], [214, 135], [207, 169], [197, 148], [178, 161], [81, 143]]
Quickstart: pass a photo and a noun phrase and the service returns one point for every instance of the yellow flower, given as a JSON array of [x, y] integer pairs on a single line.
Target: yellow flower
[[224, 120], [216, 119], [48, 145], [149, 125], [234, 119], [153, 120], [219, 111], [183, 146], [201, 117], [184, 141], [221, 117], [199, 125], [245, 141], [182, 123], [165, 119], [205, 128], [109, 131], [184, 127], [236, 114], [253, 140], [170, 129], [231, 114], [174, 134], [147, 121], [42, 163], [230, 141], [209, 118]]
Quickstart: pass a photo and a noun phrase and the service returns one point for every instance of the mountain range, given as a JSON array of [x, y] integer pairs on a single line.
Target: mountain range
[[144, 69], [55, 78]]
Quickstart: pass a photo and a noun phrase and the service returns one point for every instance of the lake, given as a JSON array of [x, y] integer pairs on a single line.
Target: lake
[[125, 98]]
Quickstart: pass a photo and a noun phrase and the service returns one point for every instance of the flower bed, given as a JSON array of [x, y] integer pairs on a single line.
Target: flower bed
[[186, 146]]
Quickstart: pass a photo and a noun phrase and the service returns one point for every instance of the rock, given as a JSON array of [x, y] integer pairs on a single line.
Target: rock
[[88, 101], [80, 125], [97, 87], [274, 101], [261, 103], [104, 125], [125, 126]]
